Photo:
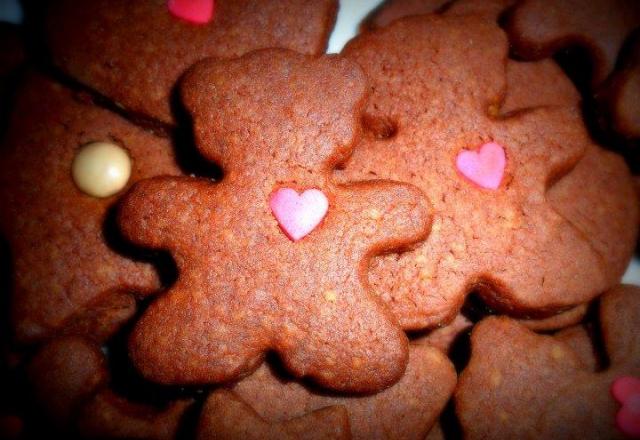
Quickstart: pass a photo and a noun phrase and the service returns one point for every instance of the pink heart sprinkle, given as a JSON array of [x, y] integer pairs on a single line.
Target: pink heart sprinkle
[[193, 11], [626, 390], [484, 167], [298, 215]]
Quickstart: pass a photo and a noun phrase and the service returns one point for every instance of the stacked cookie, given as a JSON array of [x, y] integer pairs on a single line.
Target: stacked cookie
[[236, 236]]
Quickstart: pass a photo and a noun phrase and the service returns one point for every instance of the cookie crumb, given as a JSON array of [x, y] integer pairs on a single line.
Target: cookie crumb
[[557, 352], [425, 274], [331, 296], [374, 214], [496, 379]]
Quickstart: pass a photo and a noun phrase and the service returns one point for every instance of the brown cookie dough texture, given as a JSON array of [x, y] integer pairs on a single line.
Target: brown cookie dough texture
[[538, 28], [69, 380], [392, 10], [407, 410], [558, 321], [272, 119], [620, 95], [66, 278], [522, 385], [435, 80], [134, 52], [444, 337], [529, 84], [225, 416], [537, 84], [579, 340]]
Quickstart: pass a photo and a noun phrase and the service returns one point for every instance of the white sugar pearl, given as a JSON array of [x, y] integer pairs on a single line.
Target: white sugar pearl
[[101, 169]]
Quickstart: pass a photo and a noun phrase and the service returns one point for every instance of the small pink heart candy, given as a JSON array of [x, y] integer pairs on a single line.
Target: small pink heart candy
[[193, 11], [626, 390], [484, 167], [298, 214]]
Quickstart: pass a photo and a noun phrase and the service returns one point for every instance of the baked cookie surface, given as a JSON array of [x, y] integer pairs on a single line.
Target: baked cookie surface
[[274, 256], [66, 273], [432, 122], [134, 52]]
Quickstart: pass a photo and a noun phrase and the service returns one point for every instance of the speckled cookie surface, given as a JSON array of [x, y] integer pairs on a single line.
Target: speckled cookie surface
[[277, 122], [407, 410], [65, 274], [529, 84], [133, 53], [539, 387], [431, 104]]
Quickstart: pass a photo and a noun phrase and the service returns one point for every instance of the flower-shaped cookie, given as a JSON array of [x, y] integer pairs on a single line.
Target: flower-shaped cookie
[[67, 274], [497, 230], [537, 387], [135, 52], [250, 279]]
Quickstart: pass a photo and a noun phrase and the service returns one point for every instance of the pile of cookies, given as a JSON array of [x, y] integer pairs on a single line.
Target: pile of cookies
[[229, 234]]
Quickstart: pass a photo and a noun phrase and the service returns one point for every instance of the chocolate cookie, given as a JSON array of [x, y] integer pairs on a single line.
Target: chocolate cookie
[[407, 410], [529, 84], [436, 81], [600, 27], [538, 387], [228, 417], [392, 10], [70, 381], [620, 95], [134, 53], [66, 275], [578, 338], [274, 256], [537, 84], [537, 30]]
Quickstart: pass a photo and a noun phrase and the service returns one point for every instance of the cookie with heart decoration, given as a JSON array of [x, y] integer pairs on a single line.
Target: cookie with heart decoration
[[274, 256], [538, 387], [511, 221], [134, 52]]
